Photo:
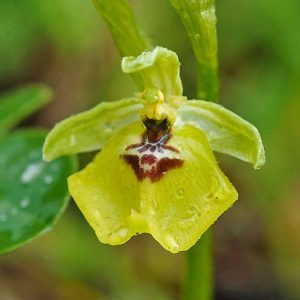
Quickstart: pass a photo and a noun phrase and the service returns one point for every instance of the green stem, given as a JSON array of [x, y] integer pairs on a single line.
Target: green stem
[[199, 272], [127, 36], [199, 19]]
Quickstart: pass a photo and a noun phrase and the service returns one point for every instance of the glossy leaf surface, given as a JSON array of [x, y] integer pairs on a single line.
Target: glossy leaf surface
[[33, 193]]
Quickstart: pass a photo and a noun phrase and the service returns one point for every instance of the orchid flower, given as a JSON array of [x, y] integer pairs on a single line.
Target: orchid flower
[[156, 172]]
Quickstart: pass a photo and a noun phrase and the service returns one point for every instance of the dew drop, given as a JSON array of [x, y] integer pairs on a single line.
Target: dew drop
[[165, 221], [48, 179], [152, 212], [97, 213], [73, 140], [3, 217], [193, 209], [210, 196], [207, 207], [186, 221], [172, 243], [108, 128], [180, 193], [31, 172], [122, 232], [24, 202]]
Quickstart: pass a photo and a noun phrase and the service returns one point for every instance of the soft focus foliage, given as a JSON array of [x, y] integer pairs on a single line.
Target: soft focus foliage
[[257, 242], [33, 194]]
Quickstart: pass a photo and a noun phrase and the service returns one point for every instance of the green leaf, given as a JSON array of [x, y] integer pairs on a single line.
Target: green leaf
[[89, 130], [199, 20], [226, 132], [20, 103], [33, 193], [159, 68]]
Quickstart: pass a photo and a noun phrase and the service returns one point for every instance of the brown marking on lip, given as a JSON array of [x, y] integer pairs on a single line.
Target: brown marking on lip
[[154, 140], [148, 159], [155, 172]]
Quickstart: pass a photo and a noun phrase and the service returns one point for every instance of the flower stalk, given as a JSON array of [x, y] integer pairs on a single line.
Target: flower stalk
[[128, 37], [199, 19], [199, 277]]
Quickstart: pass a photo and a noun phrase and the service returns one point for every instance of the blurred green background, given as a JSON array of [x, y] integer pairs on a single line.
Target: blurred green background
[[65, 44]]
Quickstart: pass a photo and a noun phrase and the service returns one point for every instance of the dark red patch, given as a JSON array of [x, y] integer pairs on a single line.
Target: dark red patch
[[134, 161], [154, 172], [154, 140], [148, 159]]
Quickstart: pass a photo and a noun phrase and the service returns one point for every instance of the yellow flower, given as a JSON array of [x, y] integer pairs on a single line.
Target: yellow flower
[[156, 172]]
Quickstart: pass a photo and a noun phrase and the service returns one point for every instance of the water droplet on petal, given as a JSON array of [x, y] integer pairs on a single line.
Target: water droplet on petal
[[193, 208], [165, 220], [73, 140], [97, 213], [108, 127], [152, 212], [207, 207], [180, 193], [122, 232], [187, 221], [172, 243]]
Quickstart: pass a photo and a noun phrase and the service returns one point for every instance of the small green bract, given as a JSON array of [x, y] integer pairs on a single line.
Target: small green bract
[[156, 172]]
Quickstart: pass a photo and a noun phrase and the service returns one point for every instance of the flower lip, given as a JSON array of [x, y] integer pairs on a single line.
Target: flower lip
[[153, 157]]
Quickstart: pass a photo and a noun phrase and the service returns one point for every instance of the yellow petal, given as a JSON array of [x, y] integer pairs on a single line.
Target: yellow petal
[[106, 191], [181, 206], [176, 208]]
